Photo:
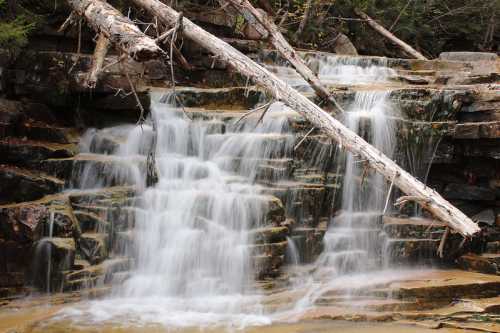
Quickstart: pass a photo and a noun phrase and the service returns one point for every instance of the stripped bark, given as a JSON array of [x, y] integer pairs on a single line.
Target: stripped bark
[[430, 199], [387, 34], [100, 51], [257, 20], [122, 32]]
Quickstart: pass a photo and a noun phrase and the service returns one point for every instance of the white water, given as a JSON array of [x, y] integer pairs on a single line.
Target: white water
[[191, 236], [193, 266], [335, 70]]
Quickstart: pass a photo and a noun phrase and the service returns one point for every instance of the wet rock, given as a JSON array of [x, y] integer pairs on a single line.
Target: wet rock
[[23, 152], [29, 221], [411, 250], [397, 227], [24, 185], [90, 222], [275, 212], [268, 235], [309, 242], [52, 257], [485, 263], [90, 276], [93, 247], [23, 223], [266, 266]]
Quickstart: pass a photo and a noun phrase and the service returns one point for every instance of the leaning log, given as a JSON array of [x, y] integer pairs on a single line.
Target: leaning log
[[260, 21], [387, 34], [427, 197], [121, 31]]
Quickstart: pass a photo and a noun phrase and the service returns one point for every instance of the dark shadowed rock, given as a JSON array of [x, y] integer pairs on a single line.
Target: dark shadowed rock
[[24, 185]]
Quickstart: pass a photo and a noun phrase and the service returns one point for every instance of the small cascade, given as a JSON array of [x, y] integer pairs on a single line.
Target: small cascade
[[292, 252], [352, 70], [352, 242]]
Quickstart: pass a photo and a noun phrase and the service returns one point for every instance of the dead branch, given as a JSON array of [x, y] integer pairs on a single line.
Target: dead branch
[[101, 49], [387, 34], [122, 32]]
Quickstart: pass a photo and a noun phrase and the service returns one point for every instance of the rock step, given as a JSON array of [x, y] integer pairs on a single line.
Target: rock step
[[370, 304], [488, 263], [267, 266], [91, 275], [400, 227], [93, 247], [81, 170], [90, 222], [24, 152], [477, 130], [447, 284], [20, 185], [358, 220], [40, 131], [411, 249]]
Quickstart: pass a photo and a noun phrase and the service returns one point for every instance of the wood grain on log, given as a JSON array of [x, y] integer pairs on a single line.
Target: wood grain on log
[[430, 199], [122, 32]]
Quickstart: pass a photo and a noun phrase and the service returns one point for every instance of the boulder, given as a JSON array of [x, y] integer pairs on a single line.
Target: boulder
[[343, 45]]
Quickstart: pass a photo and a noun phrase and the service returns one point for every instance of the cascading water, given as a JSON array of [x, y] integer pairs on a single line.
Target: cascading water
[[352, 242], [192, 245]]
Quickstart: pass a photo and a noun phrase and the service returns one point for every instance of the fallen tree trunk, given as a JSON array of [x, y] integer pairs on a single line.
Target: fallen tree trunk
[[101, 49], [387, 34], [427, 197], [260, 21], [122, 32]]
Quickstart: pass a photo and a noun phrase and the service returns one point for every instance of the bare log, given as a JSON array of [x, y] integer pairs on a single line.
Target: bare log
[[260, 21], [100, 51], [387, 34], [320, 119], [122, 32]]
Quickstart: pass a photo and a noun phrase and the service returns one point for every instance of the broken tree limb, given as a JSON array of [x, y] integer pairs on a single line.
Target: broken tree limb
[[387, 34], [320, 119], [122, 32], [260, 21], [100, 51]]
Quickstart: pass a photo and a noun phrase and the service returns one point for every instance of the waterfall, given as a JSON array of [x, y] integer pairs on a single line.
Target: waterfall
[[352, 243], [191, 241]]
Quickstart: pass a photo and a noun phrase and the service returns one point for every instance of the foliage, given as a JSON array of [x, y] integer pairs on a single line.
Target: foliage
[[431, 26], [14, 29]]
